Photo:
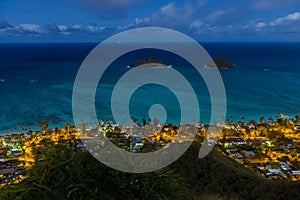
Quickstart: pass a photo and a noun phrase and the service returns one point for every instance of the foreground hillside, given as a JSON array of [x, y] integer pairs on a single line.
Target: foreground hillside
[[226, 179], [62, 172]]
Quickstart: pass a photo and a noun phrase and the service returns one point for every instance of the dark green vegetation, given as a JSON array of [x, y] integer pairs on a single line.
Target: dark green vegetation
[[217, 174], [63, 172]]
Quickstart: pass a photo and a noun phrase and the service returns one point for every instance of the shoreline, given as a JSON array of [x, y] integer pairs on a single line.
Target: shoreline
[[229, 121]]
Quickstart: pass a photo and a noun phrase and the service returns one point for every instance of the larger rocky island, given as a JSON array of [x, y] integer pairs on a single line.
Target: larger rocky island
[[151, 60], [219, 62]]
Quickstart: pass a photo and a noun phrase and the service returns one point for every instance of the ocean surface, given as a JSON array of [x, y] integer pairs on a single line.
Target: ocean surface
[[36, 83]]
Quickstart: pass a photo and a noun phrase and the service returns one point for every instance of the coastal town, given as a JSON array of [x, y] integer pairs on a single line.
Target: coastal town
[[270, 147]]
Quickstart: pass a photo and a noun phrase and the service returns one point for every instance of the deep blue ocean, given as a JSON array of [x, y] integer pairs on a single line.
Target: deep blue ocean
[[36, 82]]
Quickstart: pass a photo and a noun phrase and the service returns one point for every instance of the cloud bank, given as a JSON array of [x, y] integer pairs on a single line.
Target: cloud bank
[[251, 20]]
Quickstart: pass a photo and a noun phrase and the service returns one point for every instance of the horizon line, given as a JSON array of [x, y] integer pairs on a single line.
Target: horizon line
[[94, 42]]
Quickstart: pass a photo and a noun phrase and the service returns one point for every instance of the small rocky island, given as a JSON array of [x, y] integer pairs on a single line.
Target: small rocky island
[[221, 63], [151, 60]]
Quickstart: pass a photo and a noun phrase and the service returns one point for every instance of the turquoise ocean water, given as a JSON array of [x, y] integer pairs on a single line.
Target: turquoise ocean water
[[36, 82]]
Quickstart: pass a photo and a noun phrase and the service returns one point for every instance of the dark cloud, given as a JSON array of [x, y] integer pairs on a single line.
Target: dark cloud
[[170, 15], [3, 24], [274, 4], [108, 9], [226, 17]]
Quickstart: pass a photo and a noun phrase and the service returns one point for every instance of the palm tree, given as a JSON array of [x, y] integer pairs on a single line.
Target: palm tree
[[68, 126], [44, 126], [224, 135], [144, 122], [261, 120], [297, 118], [242, 120], [133, 119], [156, 121], [270, 120], [230, 120]]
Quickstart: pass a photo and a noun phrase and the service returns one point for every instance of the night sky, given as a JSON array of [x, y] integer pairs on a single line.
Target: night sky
[[203, 20]]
